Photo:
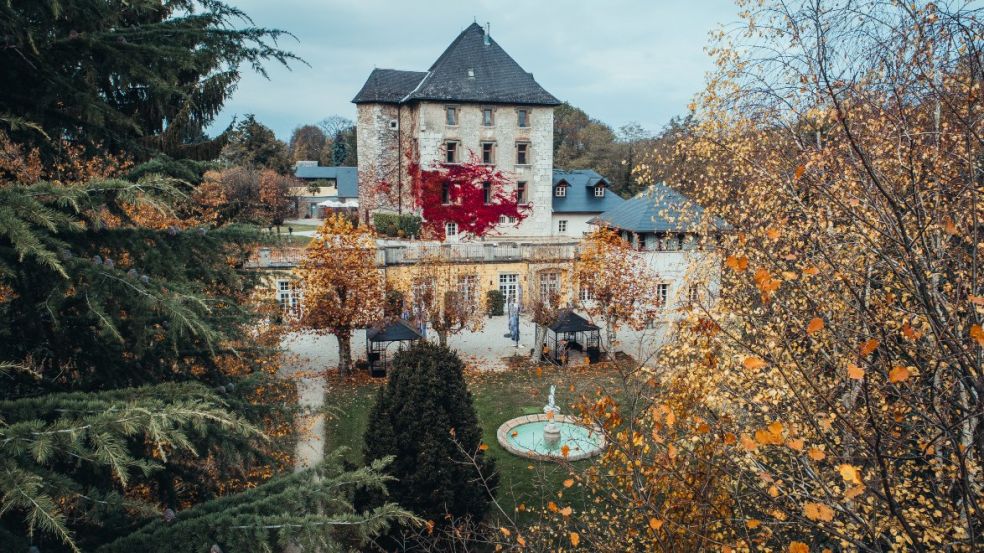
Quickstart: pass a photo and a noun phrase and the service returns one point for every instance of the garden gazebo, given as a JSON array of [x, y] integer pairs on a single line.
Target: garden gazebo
[[380, 338], [575, 333]]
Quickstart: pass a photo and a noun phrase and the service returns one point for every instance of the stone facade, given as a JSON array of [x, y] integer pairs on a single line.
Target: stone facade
[[391, 136]]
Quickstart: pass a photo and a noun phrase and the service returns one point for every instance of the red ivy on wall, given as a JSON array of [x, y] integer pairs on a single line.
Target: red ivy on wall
[[458, 193]]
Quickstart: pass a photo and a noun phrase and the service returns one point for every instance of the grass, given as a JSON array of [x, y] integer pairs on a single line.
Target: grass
[[498, 397]]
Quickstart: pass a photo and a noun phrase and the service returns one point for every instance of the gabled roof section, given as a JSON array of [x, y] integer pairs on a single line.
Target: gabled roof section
[[388, 86], [395, 331], [580, 196], [471, 69], [346, 178], [658, 209]]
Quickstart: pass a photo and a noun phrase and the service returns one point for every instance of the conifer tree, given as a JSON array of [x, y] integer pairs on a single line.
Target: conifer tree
[[425, 418], [140, 77]]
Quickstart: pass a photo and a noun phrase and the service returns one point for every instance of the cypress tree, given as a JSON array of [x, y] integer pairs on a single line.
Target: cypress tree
[[424, 417]]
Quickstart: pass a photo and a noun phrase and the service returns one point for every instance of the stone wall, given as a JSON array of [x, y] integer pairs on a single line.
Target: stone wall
[[422, 129]]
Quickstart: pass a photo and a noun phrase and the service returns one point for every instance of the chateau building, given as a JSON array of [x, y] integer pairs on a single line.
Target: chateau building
[[474, 103]]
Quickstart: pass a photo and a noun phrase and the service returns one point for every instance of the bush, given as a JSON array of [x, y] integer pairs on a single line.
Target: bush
[[392, 224], [496, 302], [423, 409]]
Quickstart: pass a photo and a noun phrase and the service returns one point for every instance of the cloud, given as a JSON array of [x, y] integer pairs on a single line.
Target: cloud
[[621, 61]]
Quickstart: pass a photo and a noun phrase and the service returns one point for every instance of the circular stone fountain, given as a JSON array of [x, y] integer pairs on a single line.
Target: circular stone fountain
[[545, 436]]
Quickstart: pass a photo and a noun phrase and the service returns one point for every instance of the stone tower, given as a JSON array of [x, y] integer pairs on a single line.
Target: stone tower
[[475, 100]]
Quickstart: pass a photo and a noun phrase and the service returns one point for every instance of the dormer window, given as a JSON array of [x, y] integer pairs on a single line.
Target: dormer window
[[599, 191], [560, 191], [452, 116]]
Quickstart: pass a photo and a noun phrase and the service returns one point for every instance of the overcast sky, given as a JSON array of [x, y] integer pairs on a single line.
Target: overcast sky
[[621, 61]]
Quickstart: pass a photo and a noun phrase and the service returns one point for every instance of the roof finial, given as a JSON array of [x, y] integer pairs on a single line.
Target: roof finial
[[488, 33]]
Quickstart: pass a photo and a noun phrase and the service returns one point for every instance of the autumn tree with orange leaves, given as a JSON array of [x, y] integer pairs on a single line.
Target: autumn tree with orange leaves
[[343, 289], [618, 284], [446, 296], [832, 399]]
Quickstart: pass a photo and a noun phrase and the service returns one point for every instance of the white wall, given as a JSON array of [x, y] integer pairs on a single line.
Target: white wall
[[577, 224]]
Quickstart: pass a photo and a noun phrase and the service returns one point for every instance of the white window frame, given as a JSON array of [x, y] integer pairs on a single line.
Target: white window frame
[[450, 229], [599, 192], [549, 284], [509, 286], [560, 191], [467, 286], [562, 225], [662, 293]]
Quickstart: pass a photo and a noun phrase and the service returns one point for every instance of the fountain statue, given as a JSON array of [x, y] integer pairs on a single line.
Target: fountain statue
[[551, 432]]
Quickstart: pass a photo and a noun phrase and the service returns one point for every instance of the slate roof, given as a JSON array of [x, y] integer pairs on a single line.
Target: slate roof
[[347, 178], [580, 196], [569, 321], [396, 331], [497, 78], [658, 209], [388, 86]]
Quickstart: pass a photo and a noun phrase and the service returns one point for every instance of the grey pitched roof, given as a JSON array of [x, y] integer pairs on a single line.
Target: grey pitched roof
[[497, 78], [347, 178], [580, 196], [659, 209], [396, 331], [569, 321], [388, 86]]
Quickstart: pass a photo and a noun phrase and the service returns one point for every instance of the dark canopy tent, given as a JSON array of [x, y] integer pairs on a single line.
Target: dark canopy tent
[[574, 332], [379, 338]]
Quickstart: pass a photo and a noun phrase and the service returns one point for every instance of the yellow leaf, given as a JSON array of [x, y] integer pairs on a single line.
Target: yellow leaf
[[552, 507], [869, 346], [748, 443], [816, 454], [816, 325], [977, 333], [798, 547], [566, 511], [855, 372], [655, 523], [521, 541], [730, 439], [568, 483], [521, 507], [795, 444], [849, 473], [575, 539], [505, 531], [753, 523], [799, 172], [910, 333], [430, 526], [811, 271], [773, 491], [753, 363], [772, 233], [898, 374], [818, 511], [776, 428], [949, 226], [565, 450], [483, 447]]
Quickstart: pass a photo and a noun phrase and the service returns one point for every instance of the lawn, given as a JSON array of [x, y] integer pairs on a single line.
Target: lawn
[[498, 397]]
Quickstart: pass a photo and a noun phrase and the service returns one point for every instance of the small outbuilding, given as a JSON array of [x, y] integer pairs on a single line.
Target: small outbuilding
[[572, 332], [380, 338]]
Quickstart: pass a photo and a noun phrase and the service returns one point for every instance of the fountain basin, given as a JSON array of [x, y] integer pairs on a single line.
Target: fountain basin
[[524, 436]]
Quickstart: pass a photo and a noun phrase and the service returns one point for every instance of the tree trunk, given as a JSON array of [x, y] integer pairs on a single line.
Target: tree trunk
[[344, 352], [442, 338]]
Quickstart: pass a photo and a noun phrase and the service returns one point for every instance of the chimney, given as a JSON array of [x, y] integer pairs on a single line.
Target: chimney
[[488, 31]]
